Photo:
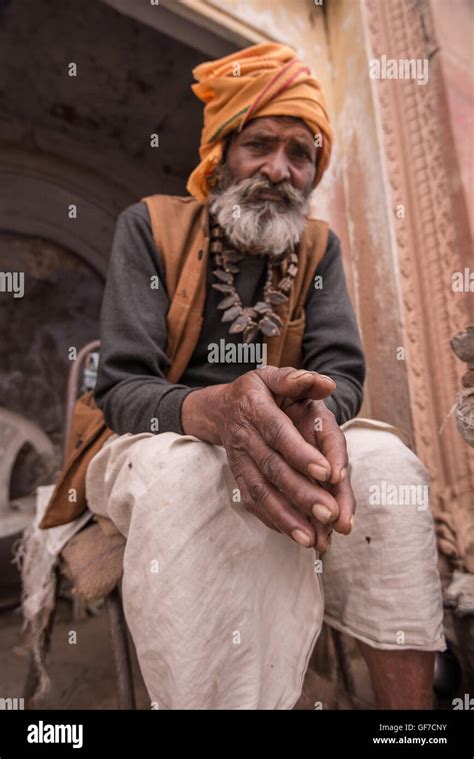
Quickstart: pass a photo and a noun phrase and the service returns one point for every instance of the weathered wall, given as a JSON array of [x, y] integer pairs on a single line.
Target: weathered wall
[[454, 28], [131, 81], [60, 309], [81, 140], [359, 185]]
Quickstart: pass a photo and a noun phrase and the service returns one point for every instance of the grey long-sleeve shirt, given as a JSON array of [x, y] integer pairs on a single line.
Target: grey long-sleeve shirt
[[131, 388]]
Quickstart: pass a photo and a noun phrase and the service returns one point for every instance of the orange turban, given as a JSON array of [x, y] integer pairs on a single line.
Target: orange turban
[[262, 80]]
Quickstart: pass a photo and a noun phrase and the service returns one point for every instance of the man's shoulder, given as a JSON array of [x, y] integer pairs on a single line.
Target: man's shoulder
[[315, 221], [315, 226], [135, 209], [140, 208]]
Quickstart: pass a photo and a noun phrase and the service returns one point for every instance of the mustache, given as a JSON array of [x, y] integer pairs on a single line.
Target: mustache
[[250, 189]]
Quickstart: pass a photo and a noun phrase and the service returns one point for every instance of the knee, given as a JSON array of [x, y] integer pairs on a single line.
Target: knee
[[385, 472], [182, 459]]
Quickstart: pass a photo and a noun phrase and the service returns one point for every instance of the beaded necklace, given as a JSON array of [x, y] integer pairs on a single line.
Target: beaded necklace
[[260, 317]]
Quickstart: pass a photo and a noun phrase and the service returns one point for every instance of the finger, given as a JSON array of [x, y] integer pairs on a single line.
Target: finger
[[303, 414], [345, 497], [304, 494], [294, 383], [332, 442], [279, 432], [261, 498], [239, 467], [250, 505], [323, 535]]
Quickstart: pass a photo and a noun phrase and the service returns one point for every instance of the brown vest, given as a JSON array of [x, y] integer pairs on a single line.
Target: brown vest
[[180, 229]]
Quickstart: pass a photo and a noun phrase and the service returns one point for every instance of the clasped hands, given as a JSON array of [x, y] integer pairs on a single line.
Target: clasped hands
[[284, 447]]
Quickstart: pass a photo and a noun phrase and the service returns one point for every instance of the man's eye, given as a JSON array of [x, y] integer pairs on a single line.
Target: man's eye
[[257, 144], [302, 154]]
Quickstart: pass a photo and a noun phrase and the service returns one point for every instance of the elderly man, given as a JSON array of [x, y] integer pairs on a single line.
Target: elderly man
[[227, 473]]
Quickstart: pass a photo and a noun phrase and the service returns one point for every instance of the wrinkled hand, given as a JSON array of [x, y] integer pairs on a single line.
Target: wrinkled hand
[[319, 427], [278, 460]]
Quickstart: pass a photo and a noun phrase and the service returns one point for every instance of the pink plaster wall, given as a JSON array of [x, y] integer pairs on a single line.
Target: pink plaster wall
[[454, 27]]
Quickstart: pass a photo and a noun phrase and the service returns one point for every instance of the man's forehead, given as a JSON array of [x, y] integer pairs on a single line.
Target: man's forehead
[[279, 124]]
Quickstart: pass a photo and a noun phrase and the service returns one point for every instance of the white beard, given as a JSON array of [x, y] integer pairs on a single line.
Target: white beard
[[259, 227]]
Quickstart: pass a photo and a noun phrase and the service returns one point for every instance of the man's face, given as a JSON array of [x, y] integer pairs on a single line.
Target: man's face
[[279, 148], [263, 184]]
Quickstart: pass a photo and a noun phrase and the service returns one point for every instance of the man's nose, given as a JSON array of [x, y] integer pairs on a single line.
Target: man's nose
[[276, 168]]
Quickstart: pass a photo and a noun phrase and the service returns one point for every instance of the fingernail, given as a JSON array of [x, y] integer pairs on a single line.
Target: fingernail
[[325, 376], [318, 472], [343, 474], [351, 521], [301, 537], [321, 512]]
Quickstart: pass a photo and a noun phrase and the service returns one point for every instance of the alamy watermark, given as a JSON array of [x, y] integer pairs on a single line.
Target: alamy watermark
[[404, 68], [12, 282], [463, 281], [383, 494], [12, 704], [237, 353], [46, 733], [466, 703]]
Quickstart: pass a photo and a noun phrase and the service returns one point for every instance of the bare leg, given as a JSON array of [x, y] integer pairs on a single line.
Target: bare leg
[[401, 679]]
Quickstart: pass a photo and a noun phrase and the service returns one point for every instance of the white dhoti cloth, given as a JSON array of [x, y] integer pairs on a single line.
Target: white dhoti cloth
[[223, 611]]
